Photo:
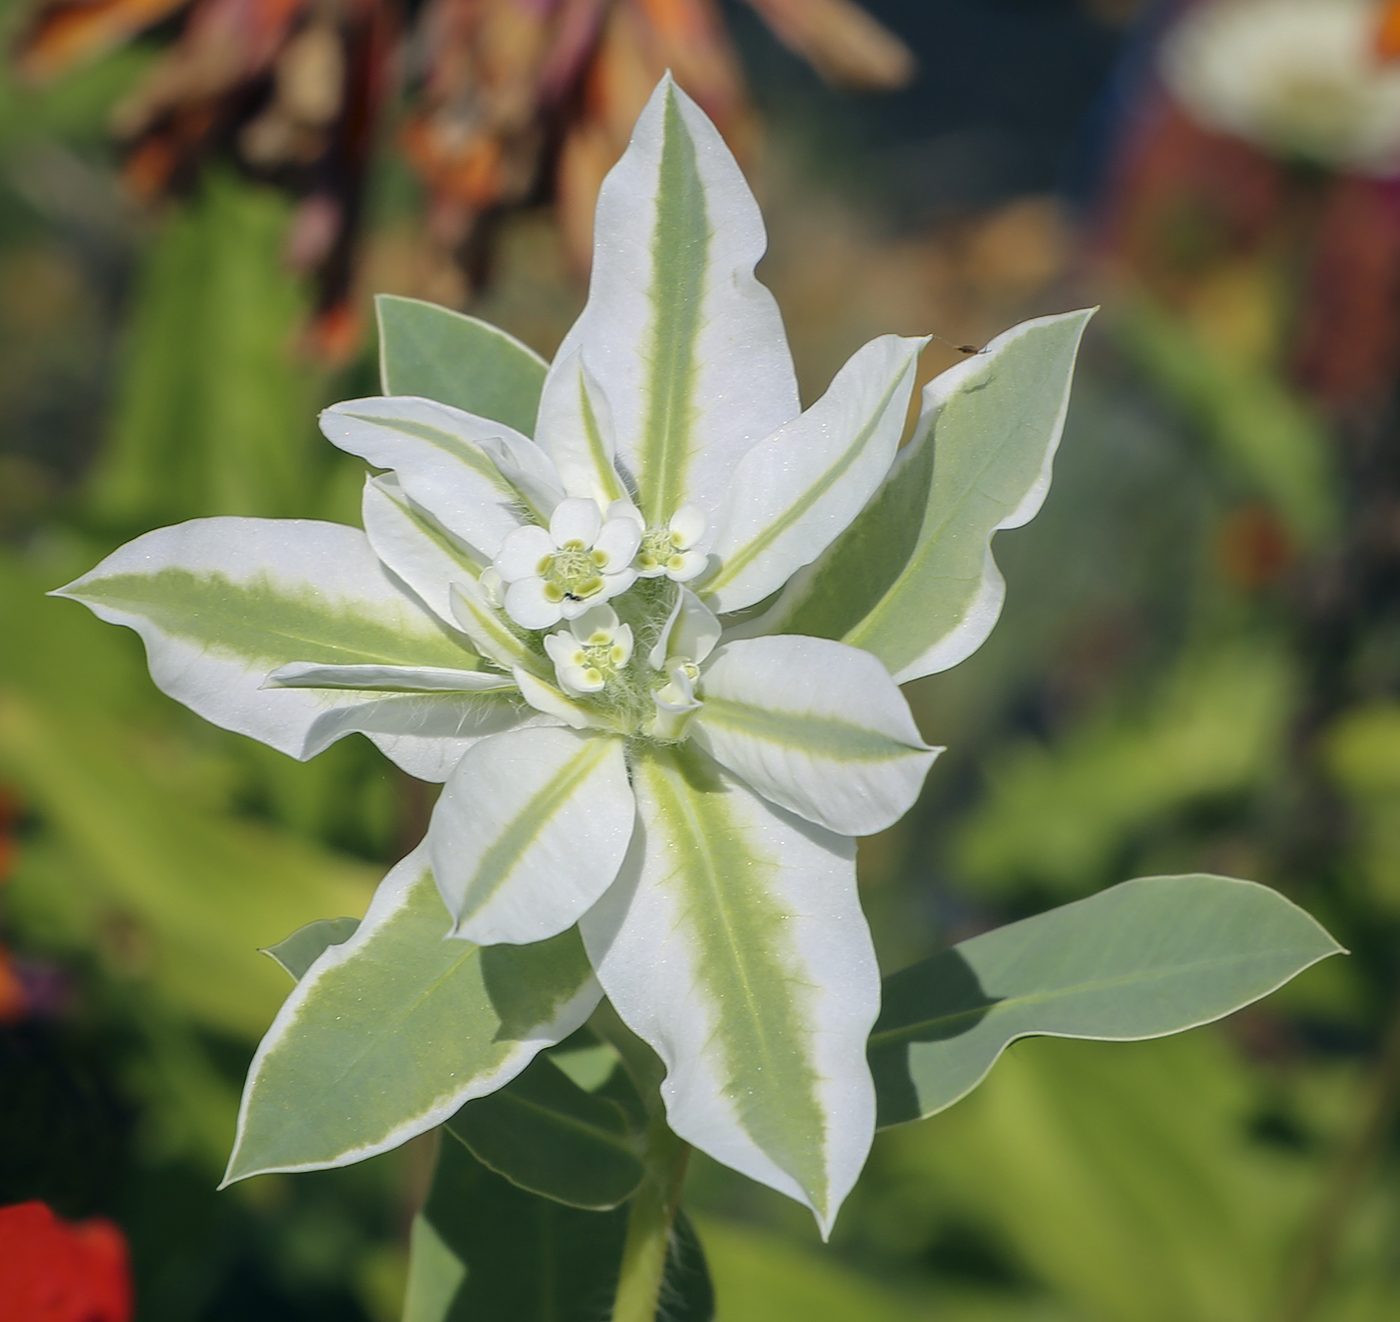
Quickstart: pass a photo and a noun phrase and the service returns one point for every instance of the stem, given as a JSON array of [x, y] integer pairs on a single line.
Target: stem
[[649, 1225], [653, 1208]]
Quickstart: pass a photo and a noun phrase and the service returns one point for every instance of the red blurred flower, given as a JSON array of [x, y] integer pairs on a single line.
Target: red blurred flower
[[59, 1271]]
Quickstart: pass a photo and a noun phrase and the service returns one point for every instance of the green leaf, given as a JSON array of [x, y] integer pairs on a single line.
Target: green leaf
[[455, 359], [1142, 959], [298, 952], [390, 1032], [912, 579], [484, 1250], [546, 1134]]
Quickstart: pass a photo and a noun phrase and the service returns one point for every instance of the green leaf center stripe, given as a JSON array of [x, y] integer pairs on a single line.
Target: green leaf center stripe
[[809, 733], [931, 534], [264, 621], [395, 943], [756, 994], [597, 451], [438, 536], [799, 509], [1002, 1005], [680, 250], [503, 856], [461, 450]]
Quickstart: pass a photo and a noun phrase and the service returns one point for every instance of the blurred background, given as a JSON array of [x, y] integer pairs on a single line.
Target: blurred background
[[1198, 667]]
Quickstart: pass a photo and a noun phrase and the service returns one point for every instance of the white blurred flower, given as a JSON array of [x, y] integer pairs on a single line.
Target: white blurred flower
[[1298, 78]]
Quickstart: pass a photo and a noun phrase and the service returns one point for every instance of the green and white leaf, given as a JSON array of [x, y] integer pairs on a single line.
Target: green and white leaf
[[546, 1134], [1141, 959], [769, 986], [795, 491], [687, 346], [817, 727], [390, 1032], [529, 831], [576, 431], [424, 733], [392, 679], [490, 629], [299, 951], [913, 579], [444, 355], [221, 603], [447, 462], [414, 547]]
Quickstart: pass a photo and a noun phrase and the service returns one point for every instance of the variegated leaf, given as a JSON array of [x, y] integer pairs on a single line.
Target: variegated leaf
[[449, 463], [795, 491], [221, 603], [529, 831], [815, 726], [388, 1033], [687, 346], [734, 944], [913, 579]]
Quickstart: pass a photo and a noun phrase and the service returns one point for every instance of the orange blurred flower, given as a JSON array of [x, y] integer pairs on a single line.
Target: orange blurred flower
[[59, 1271]]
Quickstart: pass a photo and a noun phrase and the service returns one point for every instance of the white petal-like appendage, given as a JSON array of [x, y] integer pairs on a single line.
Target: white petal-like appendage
[[221, 603], [817, 727], [530, 829], [794, 492], [412, 545], [687, 346], [530, 607], [733, 942], [440, 457], [618, 541], [576, 520], [523, 551], [575, 429]]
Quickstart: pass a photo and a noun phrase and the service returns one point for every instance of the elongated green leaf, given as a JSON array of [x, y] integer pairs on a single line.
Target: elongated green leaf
[[484, 1250], [432, 351], [769, 987], [390, 1032], [299, 951], [1142, 959], [687, 346], [546, 1134], [980, 462], [473, 476]]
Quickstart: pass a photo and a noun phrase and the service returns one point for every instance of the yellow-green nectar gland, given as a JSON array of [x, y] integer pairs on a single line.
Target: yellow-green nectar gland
[[660, 550], [572, 572]]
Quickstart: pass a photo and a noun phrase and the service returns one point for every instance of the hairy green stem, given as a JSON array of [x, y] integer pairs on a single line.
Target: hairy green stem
[[649, 1226]]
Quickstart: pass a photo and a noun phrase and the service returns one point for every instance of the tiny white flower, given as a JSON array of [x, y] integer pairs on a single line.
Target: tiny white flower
[[590, 651], [1299, 78], [671, 550], [579, 561]]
